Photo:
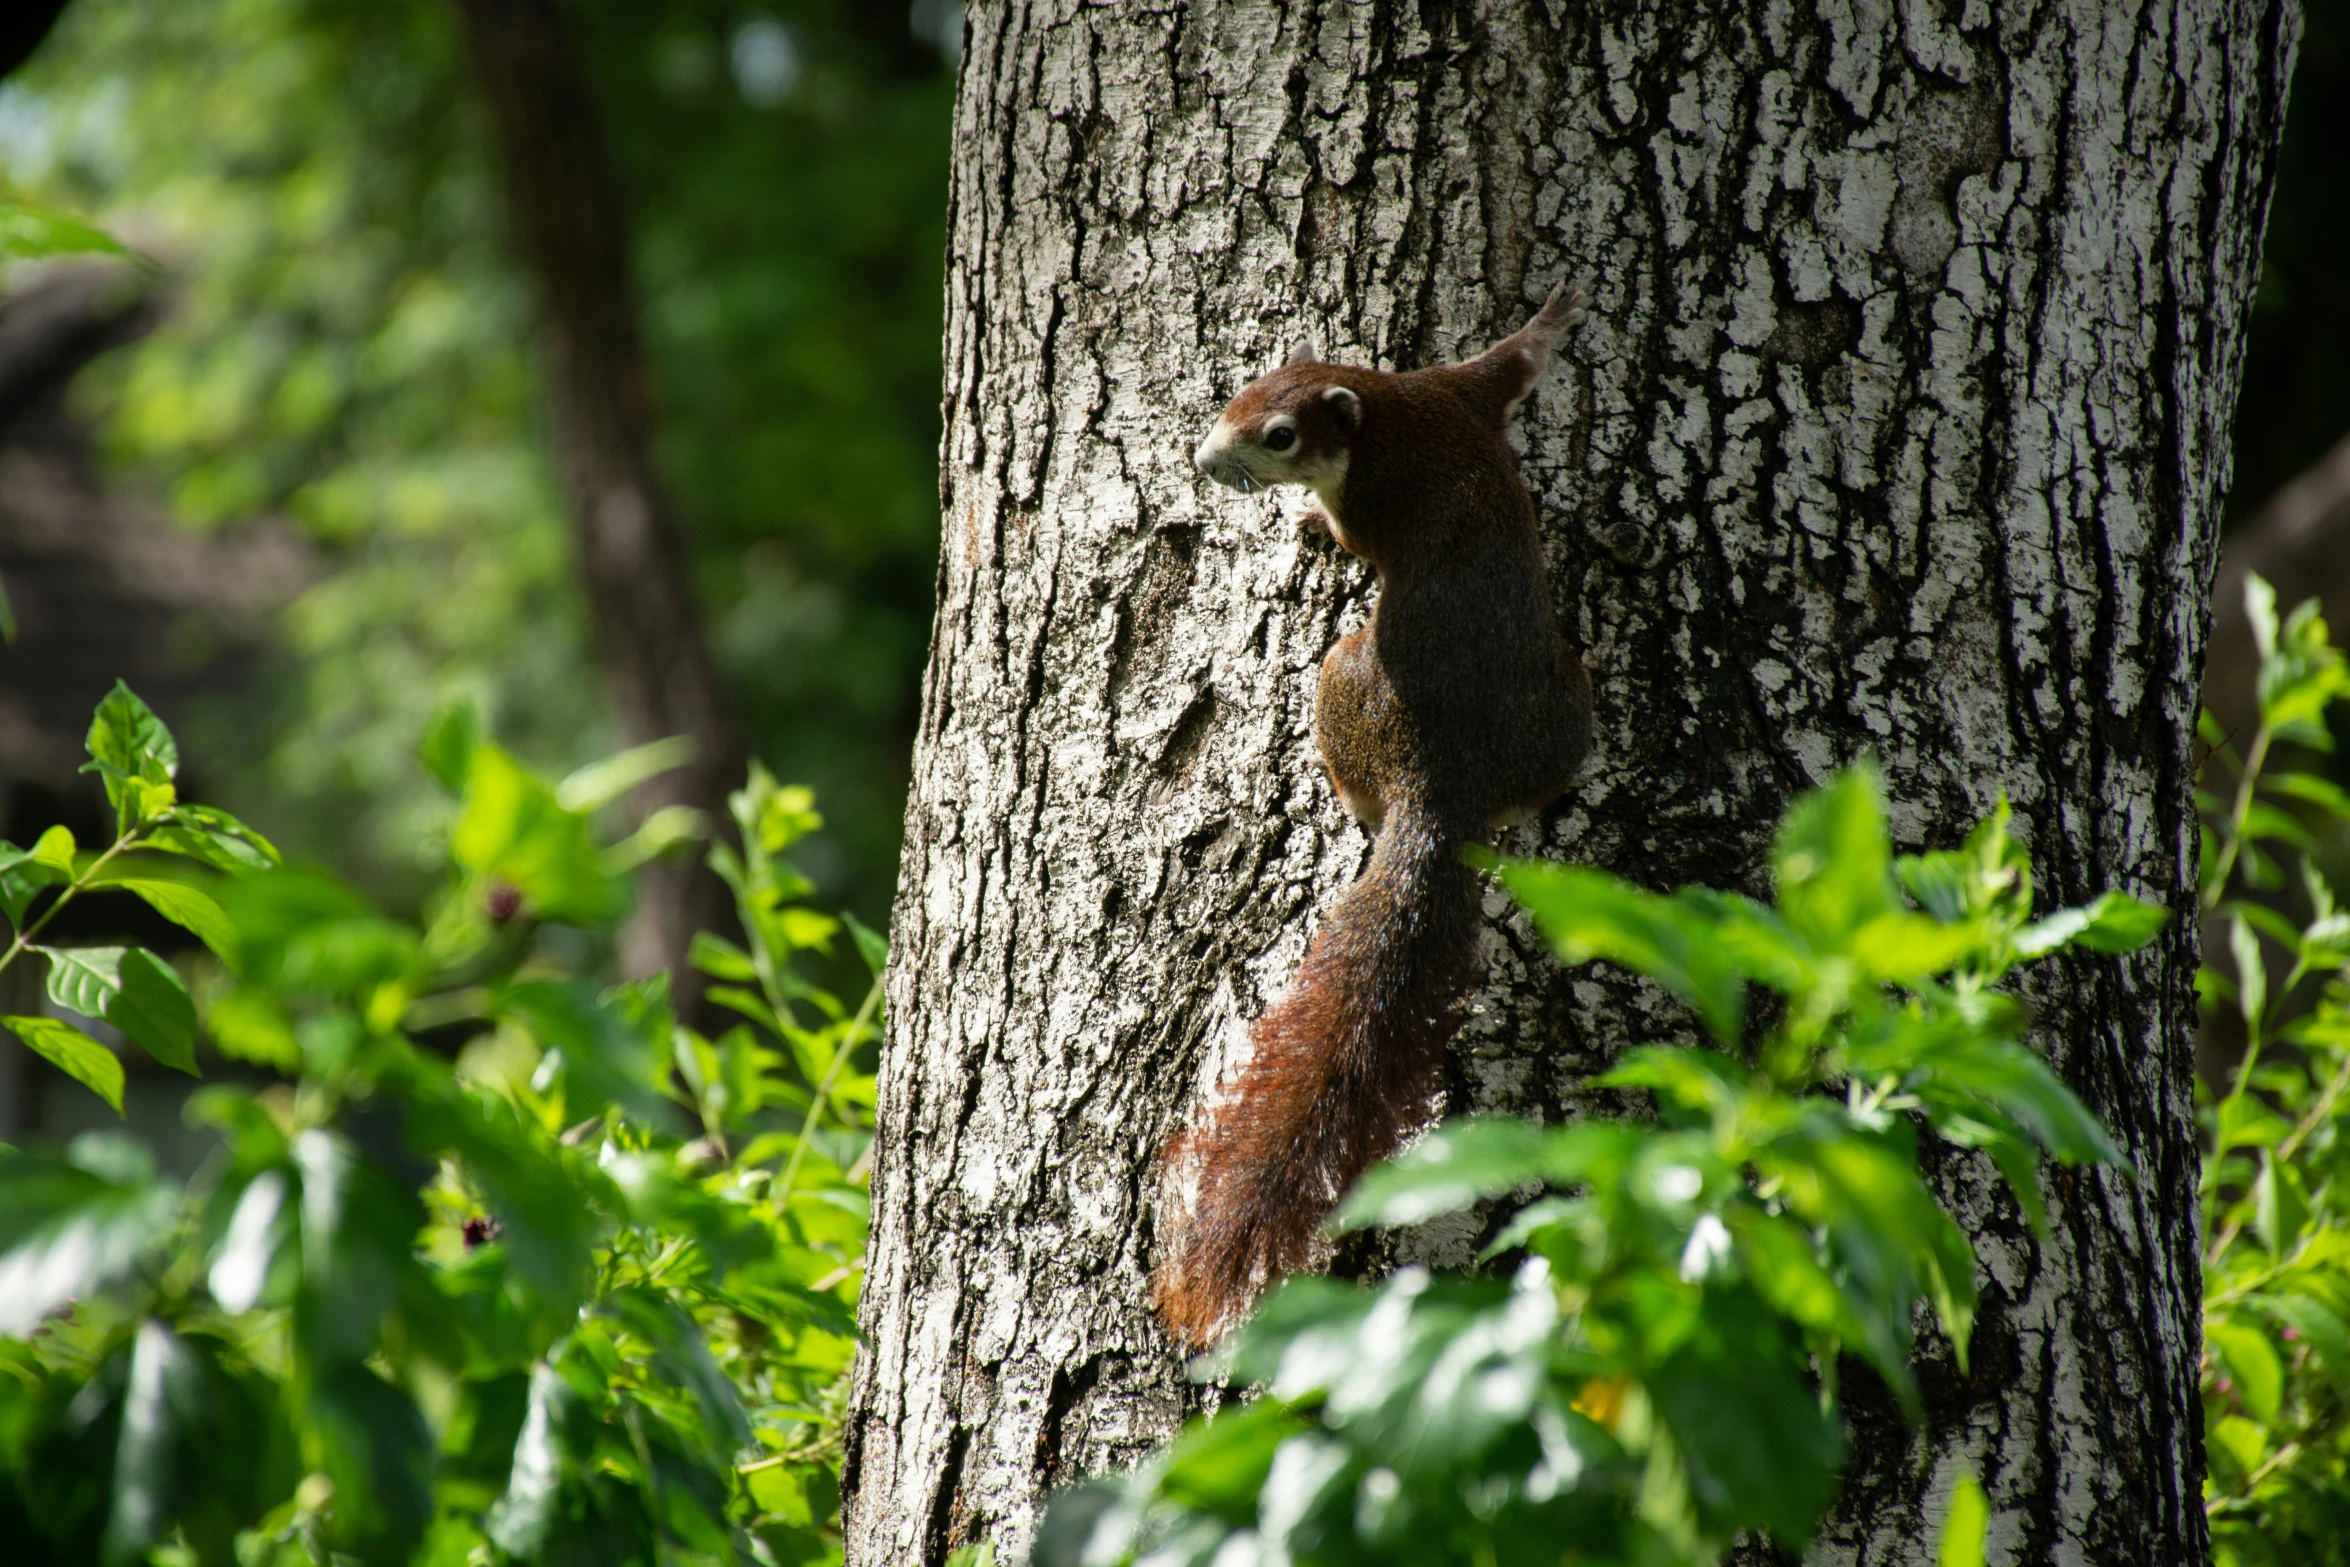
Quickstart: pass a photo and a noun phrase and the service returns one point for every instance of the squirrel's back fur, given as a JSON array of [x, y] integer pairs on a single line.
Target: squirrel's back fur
[[1458, 708]]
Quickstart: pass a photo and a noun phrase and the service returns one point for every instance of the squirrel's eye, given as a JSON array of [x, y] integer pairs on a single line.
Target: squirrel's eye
[[1280, 440]]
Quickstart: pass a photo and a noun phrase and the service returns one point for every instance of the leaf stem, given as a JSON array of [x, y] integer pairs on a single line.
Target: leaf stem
[[2237, 814], [2285, 1149], [849, 1041], [81, 880]]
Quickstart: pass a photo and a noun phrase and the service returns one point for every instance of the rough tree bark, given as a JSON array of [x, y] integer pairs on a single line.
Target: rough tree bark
[[1898, 426], [569, 225]]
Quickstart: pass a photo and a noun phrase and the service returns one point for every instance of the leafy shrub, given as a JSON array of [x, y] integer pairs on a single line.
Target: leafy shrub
[[2276, 1214], [504, 1267], [1655, 1374]]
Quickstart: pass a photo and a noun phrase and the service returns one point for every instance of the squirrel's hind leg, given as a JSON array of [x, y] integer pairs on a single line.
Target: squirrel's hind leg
[[1351, 752]]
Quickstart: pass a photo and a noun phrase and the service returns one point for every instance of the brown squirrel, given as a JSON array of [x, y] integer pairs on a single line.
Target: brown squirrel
[[1459, 709]]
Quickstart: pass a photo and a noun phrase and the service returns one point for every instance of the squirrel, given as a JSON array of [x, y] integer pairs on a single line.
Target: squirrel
[[1459, 709]]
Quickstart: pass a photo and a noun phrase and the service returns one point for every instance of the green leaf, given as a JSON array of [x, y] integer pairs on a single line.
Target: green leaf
[[70, 1226], [213, 837], [1833, 860], [2321, 792], [514, 829], [1759, 1450], [2251, 973], [450, 736], [378, 1451], [549, 1230], [1898, 947], [719, 958], [599, 783], [2280, 1209], [2251, 1361], [1965, 1527], [1589, 914], [164, 1416], [191, 908], [22, 877], [872, 946], [248, 1025], [2260, 607], [54, 849], [258, 1229], [680, 1359], [1692, 1079], [2266, 823], [130, 747], [300, 932], [135, 991], [126, 735], [1459, 1164], [556, 1437], [2020, 1085], [2114, 923], [605, 1061], [75, 1053], [358, 1232], [30, 233], [7, 619]]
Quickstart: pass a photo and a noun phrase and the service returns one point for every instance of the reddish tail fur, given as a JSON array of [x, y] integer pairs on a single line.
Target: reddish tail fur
[[1344, 1063]]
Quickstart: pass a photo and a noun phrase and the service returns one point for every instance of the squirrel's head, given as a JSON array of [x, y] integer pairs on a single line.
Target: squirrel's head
[[1295, 426]]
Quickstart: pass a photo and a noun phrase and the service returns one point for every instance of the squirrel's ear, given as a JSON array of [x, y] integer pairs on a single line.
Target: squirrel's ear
[[1345, 407], [1302, 354]]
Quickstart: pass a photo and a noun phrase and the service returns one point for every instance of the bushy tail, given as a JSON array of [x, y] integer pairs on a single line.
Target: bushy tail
[[1343, 1066]]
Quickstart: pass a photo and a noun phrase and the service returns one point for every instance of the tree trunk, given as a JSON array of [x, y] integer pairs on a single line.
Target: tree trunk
[[1899, 426], [570, 228]]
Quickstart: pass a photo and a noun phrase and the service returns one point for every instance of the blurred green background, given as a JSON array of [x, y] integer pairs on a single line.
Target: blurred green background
[[345, 350]]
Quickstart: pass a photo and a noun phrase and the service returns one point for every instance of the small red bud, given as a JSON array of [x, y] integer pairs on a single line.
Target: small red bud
[[502, 902], [480, 1230]]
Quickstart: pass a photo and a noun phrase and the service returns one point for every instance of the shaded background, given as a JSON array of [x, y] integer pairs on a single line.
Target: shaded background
[[295, 479]]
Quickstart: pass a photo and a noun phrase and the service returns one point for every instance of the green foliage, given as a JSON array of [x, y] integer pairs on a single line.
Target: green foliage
[[2276, 1303], [1655, 1373], [350, 348], [505, 1267]]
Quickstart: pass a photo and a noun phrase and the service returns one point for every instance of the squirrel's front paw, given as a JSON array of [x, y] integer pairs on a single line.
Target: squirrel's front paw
[[1305, 513]]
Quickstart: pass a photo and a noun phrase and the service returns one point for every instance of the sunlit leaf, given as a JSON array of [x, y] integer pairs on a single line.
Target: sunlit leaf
[[1589, 914], [33, 233], [2114, 923], [1965, 1527], [1458, 1164], [545, 1454], [600, 783], [75, 1053], [1833, 860], [513, 828], [190, 908], [135, 991], [450, 737], [70, 1226]]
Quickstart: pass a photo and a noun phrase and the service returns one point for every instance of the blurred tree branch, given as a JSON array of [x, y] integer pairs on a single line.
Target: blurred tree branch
[[572, 232], [2298, 540], [23, 24]]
